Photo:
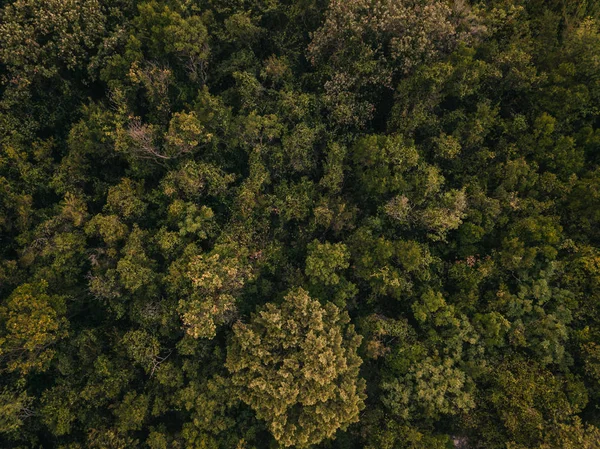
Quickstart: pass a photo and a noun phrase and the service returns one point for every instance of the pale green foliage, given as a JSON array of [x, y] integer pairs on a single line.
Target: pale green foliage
[[154, 80], [390, 267], [172, 171], [74, 210], [168, 241], [492, 327], [592, 360], [296, 365], [250, 89], [395, 434], [201, 317], [325, 260], [572, 435], [276, 69]]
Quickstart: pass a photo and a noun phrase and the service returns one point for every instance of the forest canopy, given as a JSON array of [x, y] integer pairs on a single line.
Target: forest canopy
[[337, 224]]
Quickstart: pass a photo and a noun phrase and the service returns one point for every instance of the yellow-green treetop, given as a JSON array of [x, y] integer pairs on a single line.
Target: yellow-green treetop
[[296, 365]]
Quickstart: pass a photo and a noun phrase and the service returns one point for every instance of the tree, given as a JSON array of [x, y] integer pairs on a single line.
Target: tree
[[211, 281], [365, 45], [324, 260], [32, 321], [532, 407], [15, 408], [296, 365]]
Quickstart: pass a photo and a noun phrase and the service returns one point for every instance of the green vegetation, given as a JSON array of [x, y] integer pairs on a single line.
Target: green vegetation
[[337, 224]]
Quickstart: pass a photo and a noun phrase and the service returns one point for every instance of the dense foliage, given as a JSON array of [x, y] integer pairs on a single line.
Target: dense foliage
[[299, 223]]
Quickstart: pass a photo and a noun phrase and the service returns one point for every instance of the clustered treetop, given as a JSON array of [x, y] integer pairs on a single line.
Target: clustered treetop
[[297, 366]]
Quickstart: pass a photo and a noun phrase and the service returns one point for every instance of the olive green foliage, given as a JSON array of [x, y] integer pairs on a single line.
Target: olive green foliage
[[296, 365], [33, 322], [324, 260], [338, 224]]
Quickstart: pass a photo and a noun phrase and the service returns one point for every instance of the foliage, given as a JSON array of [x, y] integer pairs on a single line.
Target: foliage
[[331, 224], [296, 365]]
